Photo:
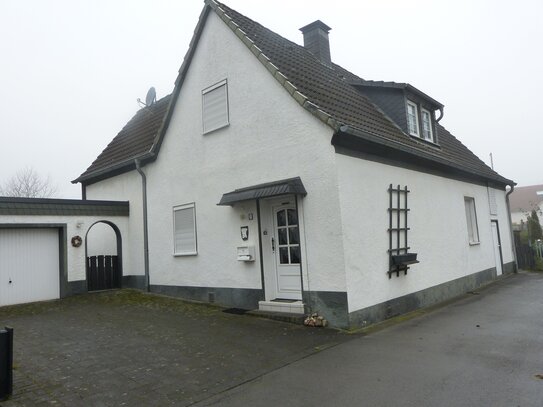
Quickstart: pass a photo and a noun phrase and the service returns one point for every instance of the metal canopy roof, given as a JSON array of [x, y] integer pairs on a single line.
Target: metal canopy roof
[[283, 187]]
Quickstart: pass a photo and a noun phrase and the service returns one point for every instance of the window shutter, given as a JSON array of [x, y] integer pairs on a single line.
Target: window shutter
[[492, 201], [184, 230], [215, 107], [471, 218]]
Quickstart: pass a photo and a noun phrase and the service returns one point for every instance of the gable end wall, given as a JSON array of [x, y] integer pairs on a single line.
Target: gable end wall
[[270, 137]]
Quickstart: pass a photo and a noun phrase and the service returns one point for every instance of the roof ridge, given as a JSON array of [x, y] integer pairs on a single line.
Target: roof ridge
[[324, 91], [283, 79], [302, 99]]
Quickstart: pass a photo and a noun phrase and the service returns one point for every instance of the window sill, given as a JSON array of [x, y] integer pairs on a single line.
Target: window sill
[[215, 129], [185, 254], [474, 243]]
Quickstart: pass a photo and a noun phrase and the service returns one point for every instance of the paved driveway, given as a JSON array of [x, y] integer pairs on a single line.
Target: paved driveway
[[483, 350], [128, 348]]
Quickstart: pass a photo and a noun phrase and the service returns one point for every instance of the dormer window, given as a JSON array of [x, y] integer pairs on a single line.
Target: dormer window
[[427, 133], [419, 122], [412, 118]]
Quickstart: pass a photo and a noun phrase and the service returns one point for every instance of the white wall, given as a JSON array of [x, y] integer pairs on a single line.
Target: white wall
[[126, 187], [75, 226], [507, 243], [101, 240], [438, 230], [270, 137]]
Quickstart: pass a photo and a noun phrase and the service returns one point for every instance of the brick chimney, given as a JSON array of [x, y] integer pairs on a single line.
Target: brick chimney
[[316, 41]]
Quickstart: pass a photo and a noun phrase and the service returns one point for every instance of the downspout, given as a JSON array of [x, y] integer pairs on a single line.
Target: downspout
[[511, 226], [145, 228]]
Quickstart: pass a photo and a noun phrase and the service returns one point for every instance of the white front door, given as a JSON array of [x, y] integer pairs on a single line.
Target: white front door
[[286, 251], [497, 247]]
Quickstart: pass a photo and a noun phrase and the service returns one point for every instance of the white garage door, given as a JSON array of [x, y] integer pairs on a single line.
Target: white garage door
[[29, 265]]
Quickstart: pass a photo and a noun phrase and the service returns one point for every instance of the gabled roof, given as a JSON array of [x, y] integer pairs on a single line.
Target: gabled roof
[[326, 92], [525, 199], [133, 141]]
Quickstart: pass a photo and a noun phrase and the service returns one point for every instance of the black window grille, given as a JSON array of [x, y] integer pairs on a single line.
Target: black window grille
[[398, 251]]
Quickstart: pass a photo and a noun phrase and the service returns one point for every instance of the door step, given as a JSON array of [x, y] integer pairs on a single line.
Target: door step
[[288, 306], [297, 319]]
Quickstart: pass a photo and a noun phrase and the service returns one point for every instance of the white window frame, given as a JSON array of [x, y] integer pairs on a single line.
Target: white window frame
[[417, 128], [471, 220], [223, 83], [423, 111], [192, 206]]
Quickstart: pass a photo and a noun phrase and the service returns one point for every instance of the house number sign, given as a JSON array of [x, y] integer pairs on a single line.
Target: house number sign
[[244, 232]]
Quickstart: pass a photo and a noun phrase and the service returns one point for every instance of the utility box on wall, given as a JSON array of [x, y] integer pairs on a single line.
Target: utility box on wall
[[246, 253], [6, 363]]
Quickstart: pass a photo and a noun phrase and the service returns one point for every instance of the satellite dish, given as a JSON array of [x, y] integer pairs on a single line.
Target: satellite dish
[[151, 96]]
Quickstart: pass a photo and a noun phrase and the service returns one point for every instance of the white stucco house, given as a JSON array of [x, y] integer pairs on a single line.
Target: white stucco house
[[273, 179]]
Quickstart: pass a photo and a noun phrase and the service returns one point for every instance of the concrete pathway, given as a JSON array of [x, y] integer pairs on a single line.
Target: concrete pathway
[[484, 350]]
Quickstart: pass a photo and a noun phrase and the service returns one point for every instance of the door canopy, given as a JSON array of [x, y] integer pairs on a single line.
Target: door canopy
[[276, 188]]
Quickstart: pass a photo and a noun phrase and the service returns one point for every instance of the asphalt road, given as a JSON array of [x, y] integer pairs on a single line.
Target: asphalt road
[[483, 350]]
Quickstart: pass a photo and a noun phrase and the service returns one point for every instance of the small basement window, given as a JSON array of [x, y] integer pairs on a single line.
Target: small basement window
[[412, 118], [471, 218], [215, 107], [184, 230]]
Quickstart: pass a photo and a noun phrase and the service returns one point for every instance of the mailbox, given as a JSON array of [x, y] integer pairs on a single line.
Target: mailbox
[[246, 253]]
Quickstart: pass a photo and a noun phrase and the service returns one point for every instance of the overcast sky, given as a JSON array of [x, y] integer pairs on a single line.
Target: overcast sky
[[71, 71]]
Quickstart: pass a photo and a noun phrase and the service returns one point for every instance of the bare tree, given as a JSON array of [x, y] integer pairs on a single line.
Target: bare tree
[[27, 183]]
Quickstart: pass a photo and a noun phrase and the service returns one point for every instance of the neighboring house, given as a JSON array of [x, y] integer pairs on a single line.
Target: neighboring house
[[274, 179], [524, 200]]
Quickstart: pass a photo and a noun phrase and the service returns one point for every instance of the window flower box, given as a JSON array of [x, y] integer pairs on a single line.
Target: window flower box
[[404, 259]]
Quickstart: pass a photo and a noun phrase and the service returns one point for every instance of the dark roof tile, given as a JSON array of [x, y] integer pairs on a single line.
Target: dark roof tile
[[135, 139], [328, 88]]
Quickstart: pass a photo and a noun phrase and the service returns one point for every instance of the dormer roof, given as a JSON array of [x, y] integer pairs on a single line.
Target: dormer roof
[[396, 85]]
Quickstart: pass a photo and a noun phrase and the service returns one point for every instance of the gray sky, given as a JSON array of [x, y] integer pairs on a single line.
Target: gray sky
[[71, 71]]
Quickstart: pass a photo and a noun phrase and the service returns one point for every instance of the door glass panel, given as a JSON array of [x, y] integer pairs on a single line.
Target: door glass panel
[[287, 234], [281, 221], [283, 255], [292, 217], [293, 235], [295, 255], [282, 235]]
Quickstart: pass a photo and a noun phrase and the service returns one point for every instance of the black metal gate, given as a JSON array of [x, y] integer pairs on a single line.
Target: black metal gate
[[525, 254], [103, 273]]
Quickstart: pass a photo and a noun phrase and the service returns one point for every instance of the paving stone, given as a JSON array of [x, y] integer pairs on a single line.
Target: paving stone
[[125, 347]]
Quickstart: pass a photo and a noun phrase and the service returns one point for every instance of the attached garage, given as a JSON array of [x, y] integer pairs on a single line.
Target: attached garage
[[29, 265], [43, 245]]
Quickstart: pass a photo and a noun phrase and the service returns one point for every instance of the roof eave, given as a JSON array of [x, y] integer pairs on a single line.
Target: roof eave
[[119, 168], [155, 149], [419, 154]]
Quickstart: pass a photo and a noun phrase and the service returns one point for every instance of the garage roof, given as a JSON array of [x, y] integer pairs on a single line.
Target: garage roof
[[42, 206]]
